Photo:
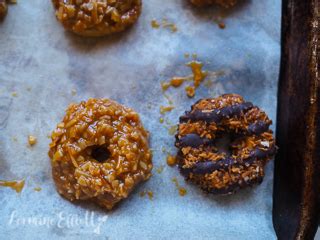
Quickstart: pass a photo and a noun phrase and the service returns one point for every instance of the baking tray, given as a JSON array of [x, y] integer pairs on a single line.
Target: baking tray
[[297, 164], [43, 69]]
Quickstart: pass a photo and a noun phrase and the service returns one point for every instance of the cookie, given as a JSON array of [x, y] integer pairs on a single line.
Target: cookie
[[95, 18], [99, 152], [224, 144]]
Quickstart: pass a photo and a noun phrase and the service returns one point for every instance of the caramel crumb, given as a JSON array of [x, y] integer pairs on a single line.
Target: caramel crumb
[[163, 109], [32, 140], [160, 169], [15, 185], [155, 24], [222, 25], [177, 81], [37, 189], [174, 82], [171, 160], [171, 26], [14, 94], [182, 191], [165, 86], [164, 24], [150, 195], [190, 90]]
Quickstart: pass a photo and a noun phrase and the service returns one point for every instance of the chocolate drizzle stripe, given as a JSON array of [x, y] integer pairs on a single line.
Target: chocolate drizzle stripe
[[258, 127], [210, 166], [192, 140], [218, 114]]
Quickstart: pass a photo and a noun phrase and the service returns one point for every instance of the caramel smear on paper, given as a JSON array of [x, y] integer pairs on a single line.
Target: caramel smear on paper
[[15, 185], [197, 77]]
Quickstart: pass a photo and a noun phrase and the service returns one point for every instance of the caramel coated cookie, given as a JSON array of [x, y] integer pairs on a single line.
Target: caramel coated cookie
[[94, 18], [99, 152], [224, 144]]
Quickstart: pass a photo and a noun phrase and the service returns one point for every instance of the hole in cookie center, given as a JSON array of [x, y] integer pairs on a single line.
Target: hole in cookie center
[[223, 144], [100, 153]]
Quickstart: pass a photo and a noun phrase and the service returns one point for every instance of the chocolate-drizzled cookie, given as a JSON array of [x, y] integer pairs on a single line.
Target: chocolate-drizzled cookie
[[202, 160]]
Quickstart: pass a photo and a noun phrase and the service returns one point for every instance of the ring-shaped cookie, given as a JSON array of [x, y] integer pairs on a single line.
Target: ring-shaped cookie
[[241, 163], [99, 152]]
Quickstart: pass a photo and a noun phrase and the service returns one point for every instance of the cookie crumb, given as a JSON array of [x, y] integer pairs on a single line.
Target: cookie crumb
[[155, 24], [164, 109], [222, 25], [150, 195], [191, 91], [164, 24], [165, 86], [14, 94], [174, 82], [32, 140], [171, 26], [171, 160], [182, 191], [177, 81], [37, 189]]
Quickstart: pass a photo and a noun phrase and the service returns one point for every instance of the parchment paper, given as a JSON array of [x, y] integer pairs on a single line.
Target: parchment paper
[[43, 64]]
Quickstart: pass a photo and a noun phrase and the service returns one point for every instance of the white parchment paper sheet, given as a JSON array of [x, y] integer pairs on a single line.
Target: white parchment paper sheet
[[43, 64]]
